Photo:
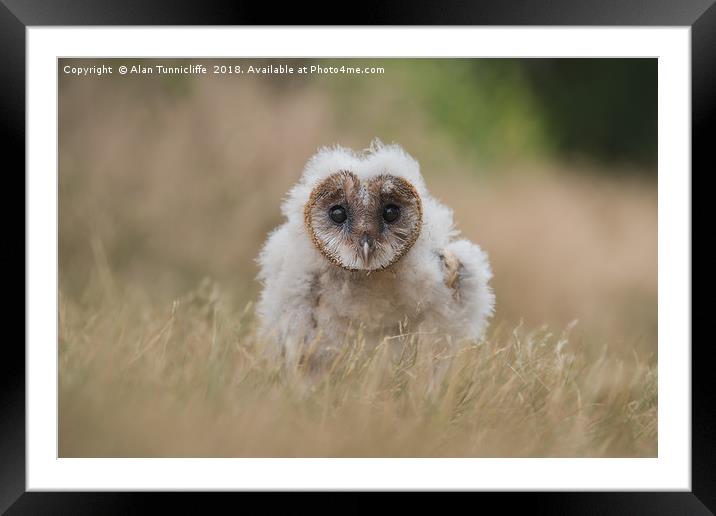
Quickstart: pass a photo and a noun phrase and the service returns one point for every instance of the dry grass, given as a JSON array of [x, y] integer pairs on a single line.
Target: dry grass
[[160, 186], [190, 379]]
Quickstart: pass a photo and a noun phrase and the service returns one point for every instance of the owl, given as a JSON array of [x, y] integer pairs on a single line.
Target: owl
[[366, 250]]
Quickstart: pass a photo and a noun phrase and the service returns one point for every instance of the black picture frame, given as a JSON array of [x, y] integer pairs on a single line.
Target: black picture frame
[[700, 15]]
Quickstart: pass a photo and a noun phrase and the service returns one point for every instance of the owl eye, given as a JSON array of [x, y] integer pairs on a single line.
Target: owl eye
[[338, 214], [391, 213]]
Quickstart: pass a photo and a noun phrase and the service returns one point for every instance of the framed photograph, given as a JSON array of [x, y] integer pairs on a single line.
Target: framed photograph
[[454, 257]]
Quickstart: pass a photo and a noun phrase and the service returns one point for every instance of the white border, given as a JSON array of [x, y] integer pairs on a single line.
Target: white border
[[671, 470]]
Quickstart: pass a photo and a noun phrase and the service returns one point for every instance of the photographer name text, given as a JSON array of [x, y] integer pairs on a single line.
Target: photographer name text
[[200, 69]]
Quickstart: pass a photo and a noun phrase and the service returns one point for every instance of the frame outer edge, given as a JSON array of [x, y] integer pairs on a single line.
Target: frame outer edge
[[703, 108], [12, 363], [12, 104]]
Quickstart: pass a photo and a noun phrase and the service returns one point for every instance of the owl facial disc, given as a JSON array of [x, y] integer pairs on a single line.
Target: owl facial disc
[[363, 225]]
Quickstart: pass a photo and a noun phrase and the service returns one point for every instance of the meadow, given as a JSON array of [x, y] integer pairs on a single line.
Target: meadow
[[167, 190]]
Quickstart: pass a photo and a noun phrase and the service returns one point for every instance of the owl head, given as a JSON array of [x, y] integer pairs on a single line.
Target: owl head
[[362, 211]]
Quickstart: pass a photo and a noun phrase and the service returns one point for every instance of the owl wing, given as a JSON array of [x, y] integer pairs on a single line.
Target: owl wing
[[288, 297], [466, 274]]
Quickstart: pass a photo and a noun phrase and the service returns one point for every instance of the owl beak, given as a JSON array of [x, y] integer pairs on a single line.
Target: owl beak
[[366, 248], [366, 252]]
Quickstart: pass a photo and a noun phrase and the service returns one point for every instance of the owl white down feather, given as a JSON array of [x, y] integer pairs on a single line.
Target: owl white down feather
[[365, 248]]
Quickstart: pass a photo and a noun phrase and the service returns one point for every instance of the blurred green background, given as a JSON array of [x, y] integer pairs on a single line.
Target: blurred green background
[[497, 110], [549, 164]]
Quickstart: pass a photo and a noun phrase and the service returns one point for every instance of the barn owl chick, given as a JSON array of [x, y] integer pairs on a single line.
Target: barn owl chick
[[365, 248]]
